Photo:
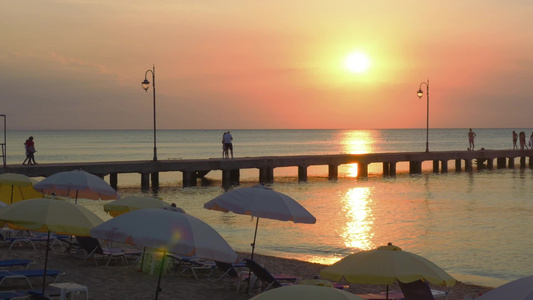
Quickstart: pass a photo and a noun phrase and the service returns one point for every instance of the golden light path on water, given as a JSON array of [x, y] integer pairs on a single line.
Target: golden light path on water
[[357, 231]]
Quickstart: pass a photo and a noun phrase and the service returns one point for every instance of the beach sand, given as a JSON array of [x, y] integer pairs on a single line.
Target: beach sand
[[118, 281]]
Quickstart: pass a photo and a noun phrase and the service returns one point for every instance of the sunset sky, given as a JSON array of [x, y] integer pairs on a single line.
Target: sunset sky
[[265, 64]]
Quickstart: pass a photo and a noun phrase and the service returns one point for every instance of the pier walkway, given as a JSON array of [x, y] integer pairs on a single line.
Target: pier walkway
[[194, 169]]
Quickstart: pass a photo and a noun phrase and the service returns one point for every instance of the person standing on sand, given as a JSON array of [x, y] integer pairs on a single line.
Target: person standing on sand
[[515, 139], [471, 137], [228, 144]]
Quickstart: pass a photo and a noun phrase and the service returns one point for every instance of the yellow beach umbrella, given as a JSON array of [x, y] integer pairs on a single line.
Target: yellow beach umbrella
[[126, 204], [304, 291], [16, 187], [49, 215], [386, 265]]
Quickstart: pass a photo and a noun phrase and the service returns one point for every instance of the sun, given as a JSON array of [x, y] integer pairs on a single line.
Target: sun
[[357, 62]]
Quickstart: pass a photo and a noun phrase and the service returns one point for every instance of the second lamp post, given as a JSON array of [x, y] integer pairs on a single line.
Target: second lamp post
[[420, 93], [146, 85]]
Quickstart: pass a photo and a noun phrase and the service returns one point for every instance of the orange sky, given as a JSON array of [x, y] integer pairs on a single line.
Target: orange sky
[[265, 64]]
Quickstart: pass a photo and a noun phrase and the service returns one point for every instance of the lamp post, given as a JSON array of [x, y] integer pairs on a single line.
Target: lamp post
[[420, 93], [146, 85]]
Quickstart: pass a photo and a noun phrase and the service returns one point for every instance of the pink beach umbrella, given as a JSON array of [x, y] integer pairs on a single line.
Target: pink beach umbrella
[[261, 202], [77, 184]]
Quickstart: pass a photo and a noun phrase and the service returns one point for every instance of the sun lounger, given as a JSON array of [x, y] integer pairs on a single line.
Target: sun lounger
[[269, 280], [26, 274], [8, 263], [13, 295], [93, 249], [193, 264], [229, 271]]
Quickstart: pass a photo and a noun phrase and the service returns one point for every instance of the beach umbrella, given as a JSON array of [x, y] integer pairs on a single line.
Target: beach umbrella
[[386, 265], [520, 289], [308, 292], [16, 187], [77, 184], [49, 215], [126, 204], [261, 202], [169, 231]]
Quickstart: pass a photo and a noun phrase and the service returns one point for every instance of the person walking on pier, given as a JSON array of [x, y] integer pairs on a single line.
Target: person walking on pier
[[522, 136], [471, 137], [29, 145], [228, 144], [515, 139]]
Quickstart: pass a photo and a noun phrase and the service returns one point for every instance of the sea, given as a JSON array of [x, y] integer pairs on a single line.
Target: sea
[[476, 225]]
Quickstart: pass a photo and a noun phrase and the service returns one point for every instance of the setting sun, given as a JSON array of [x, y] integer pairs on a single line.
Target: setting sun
[[357, 62]]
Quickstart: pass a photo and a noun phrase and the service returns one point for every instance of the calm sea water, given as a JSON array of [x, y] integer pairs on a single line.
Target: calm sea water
[[476, 226]]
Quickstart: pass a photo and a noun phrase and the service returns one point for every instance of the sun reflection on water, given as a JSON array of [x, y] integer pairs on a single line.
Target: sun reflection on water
[[357, 142], [357, 233]]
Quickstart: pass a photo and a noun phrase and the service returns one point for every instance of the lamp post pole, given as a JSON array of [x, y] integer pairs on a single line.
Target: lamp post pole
[[146, 85], [420, 93]]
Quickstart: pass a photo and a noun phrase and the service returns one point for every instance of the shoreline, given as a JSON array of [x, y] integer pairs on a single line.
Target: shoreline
[[118, 281]]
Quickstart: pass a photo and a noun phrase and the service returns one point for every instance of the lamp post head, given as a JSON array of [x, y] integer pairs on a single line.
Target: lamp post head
[[146, 84], [420, 93]]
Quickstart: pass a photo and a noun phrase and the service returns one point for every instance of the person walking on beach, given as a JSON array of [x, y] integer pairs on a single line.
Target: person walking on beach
[[515, 139], [471, 137], [228, 144], [29, 145]]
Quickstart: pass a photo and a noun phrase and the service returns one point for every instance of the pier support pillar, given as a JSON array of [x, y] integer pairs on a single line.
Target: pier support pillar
[[480, 164], [500, 163], [155, 182], [362, 170], [389, 169], [468, 165], [333, 171], [145, 182], [113, 180], [386, 169], [444, 166], [458, 167], [531, 162], [266, 175], [522, 162], [415, 167], [490, 164], [189, 179], [435, 166], [511, 163], [302, 173]]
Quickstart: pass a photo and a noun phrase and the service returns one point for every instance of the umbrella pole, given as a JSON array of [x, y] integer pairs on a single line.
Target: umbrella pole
[[158, 290], [76, 201], [142, 259], [46, 261], [11, 194], [387, 292], [255, 235]]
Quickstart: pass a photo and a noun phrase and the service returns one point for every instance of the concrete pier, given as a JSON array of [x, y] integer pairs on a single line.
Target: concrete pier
[[194, 169]]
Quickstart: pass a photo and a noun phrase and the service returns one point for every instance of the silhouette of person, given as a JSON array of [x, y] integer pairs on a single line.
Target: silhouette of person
[[29, 145], [471, 137], [515, 139], [228, 144]]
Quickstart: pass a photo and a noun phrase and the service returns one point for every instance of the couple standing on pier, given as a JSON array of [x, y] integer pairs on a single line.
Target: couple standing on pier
[[227, 145]]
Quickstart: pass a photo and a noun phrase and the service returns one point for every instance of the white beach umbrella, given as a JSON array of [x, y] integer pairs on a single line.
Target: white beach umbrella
[[261, 202], [168, 230], [77, 184], [520, 289]]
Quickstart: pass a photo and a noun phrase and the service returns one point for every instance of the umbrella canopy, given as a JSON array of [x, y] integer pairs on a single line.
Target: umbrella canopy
[[77, 184], [168, 230], [385, 265], [309, 292], [49, 215], [16, 187], [126, 204], [520, 289], [261, 202]]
